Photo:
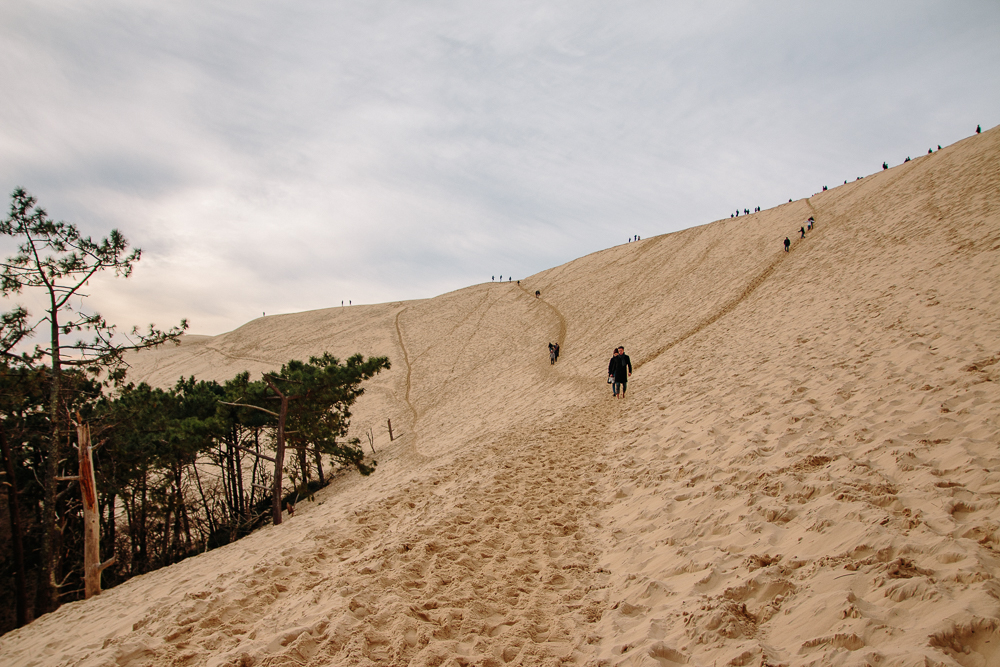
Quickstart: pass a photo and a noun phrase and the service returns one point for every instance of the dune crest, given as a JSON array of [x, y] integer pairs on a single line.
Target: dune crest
[[805, 469]]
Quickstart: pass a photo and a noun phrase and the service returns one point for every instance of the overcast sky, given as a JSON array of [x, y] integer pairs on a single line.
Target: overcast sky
[[278, 157]]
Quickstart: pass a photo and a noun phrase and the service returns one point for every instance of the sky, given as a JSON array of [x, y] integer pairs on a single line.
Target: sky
[[278, 157]]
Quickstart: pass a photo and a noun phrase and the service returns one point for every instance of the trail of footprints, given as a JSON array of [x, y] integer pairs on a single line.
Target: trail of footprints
[[493, 566], [501, 576]]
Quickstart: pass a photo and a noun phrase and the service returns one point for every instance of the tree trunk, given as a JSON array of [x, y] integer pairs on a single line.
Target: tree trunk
[[242, 506], [142, 531], [168, 512], [209, 516], [110, 525], [279, 454], [319, 466], [92, 566], [49, 586], [226, 471], [130, 517], [254, 478], [303, 465], [20, 592]]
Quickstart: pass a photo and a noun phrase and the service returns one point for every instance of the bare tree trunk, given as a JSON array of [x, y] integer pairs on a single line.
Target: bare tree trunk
[[229, 480], [279, 454], [165, 548], [254, 478], [49, 586], [20, 592], [130, 516], [319, 466], [143, 529], [92, 565], [240, 491], [242, 504], [204, 501], [303, 465], [111, 529]]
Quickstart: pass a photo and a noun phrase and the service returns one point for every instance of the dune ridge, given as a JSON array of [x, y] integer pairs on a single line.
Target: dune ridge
[[805, 470]]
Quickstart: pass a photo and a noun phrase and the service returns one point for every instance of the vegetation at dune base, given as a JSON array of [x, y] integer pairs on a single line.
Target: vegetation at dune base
[[176, 471]]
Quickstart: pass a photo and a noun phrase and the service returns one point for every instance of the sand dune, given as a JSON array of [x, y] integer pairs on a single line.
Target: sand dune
[[805, 471]]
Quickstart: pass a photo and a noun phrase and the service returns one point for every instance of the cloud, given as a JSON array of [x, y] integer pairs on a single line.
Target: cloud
[[276, 158]]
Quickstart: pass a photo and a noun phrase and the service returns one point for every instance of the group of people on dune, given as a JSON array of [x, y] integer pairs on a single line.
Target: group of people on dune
[[619, 368], [619, 371], [802, 232]]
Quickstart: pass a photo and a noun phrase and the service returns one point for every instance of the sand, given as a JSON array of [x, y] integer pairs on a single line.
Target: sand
[[805, 469]]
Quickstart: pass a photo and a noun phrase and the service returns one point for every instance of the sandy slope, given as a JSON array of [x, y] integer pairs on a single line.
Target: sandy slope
[[805, 471]]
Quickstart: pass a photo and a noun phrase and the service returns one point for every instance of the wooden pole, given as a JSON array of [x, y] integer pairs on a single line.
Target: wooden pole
[[92, 566], [389, 421]]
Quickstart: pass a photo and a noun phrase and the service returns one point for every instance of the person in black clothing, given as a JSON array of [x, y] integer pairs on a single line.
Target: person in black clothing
[[623, 371], [787, 243], [802, 231], [612, 365], [556, 346], [979, 129]]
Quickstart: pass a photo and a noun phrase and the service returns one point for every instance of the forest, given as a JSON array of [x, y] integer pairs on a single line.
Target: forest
[[104, 479]]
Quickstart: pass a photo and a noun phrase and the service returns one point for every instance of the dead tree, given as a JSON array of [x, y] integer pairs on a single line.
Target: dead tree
[[92, 565]]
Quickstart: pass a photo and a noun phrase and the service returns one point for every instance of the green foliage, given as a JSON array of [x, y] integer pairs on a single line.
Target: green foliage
[[326, 390]]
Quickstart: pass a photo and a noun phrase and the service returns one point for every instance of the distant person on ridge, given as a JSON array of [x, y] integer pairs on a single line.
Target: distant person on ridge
[[979, 129], [787, 244], [885, 165], [623, 371]]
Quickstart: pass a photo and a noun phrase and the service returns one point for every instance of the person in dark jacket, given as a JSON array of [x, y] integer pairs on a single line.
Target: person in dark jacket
[[623, 371], [612, 365]]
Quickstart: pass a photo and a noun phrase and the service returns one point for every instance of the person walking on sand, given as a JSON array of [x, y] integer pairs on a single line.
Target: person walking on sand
[[802, 232], [787, 243], [623, 371], [612, 366], [552, 354]]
